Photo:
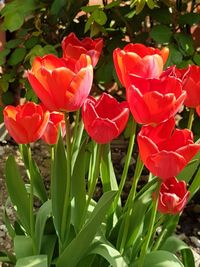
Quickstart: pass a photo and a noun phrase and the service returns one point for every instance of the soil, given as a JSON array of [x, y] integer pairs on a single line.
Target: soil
[[187, 230]]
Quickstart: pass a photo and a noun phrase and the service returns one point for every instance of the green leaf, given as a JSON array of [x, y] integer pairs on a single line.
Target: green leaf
[[3, 55], [99, 17], [8, 224], [13, 22], [23, 246], [78, 187], [151, 4], [38, 183], [84, 238], [113, 4], [17, 56], [175, 56], [162, 15], [13, 43], [174, 244], [42, 215], [4, 85], [89, 9], [88, 24], [139, 4], [7, 98], [104, 73], [185, 43], [189, 18], [48, 246], [1, 114], [107, 171], [31, 42], [17, 192], [14, 15], [33, 261], [108, 252], [196, 58], [58, 186], [57, 5], [161, 258], [161, 34]]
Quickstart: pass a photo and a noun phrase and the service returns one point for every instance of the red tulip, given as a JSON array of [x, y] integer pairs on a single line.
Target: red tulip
[[140, 60], [153, 101], [104, 119], [72, 47], [164, 150], [26, 123], [61, 85], [191, 84], [173, 196], [56, 120]]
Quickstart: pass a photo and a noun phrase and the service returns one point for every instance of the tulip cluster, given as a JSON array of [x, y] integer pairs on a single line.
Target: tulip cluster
[[153, 98]]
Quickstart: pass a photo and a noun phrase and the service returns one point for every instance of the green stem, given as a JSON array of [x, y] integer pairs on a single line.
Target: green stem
[[129, 207], [31, 201], [66, 207], [150, 228], [191, 118], [159, 239], [52, 161], [127, 163], [132, 194], [75, 134], [95, 173]]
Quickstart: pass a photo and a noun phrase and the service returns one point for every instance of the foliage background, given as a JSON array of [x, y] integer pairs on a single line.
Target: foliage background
[[36, 27]]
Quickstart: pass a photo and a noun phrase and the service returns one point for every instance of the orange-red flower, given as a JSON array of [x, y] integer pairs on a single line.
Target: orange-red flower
[[153, 101], [140, 60], [61, 85], [173, 196], [164, 150], [73, 47], [56, 120], [104, 119], [25, 123]]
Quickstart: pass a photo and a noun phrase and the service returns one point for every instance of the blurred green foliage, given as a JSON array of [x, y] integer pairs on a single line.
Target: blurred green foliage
[[36, 27]]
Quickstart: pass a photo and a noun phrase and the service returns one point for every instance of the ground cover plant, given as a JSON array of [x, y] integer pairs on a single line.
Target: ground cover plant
[[70, 228]]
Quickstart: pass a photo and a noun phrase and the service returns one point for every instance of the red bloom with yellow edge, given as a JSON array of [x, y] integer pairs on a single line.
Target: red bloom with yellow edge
[[25, 123], [165, 150], [173, 196], [73, 47], [61, 85], [104, 119], [153, 101], [140, 60], [56, 120]]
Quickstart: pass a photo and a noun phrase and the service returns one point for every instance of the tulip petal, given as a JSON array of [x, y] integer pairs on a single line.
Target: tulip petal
[[146, 147], [79, 89], [165, 164], [44, 95], [16, 131], [189, 151], [61, 80], [103, 131]]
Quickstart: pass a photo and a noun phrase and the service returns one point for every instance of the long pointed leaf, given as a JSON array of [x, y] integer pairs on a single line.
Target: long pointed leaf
[[78, 247], [111, 254], [58, 186], [42, 216], [78, 187], [17, 192]]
